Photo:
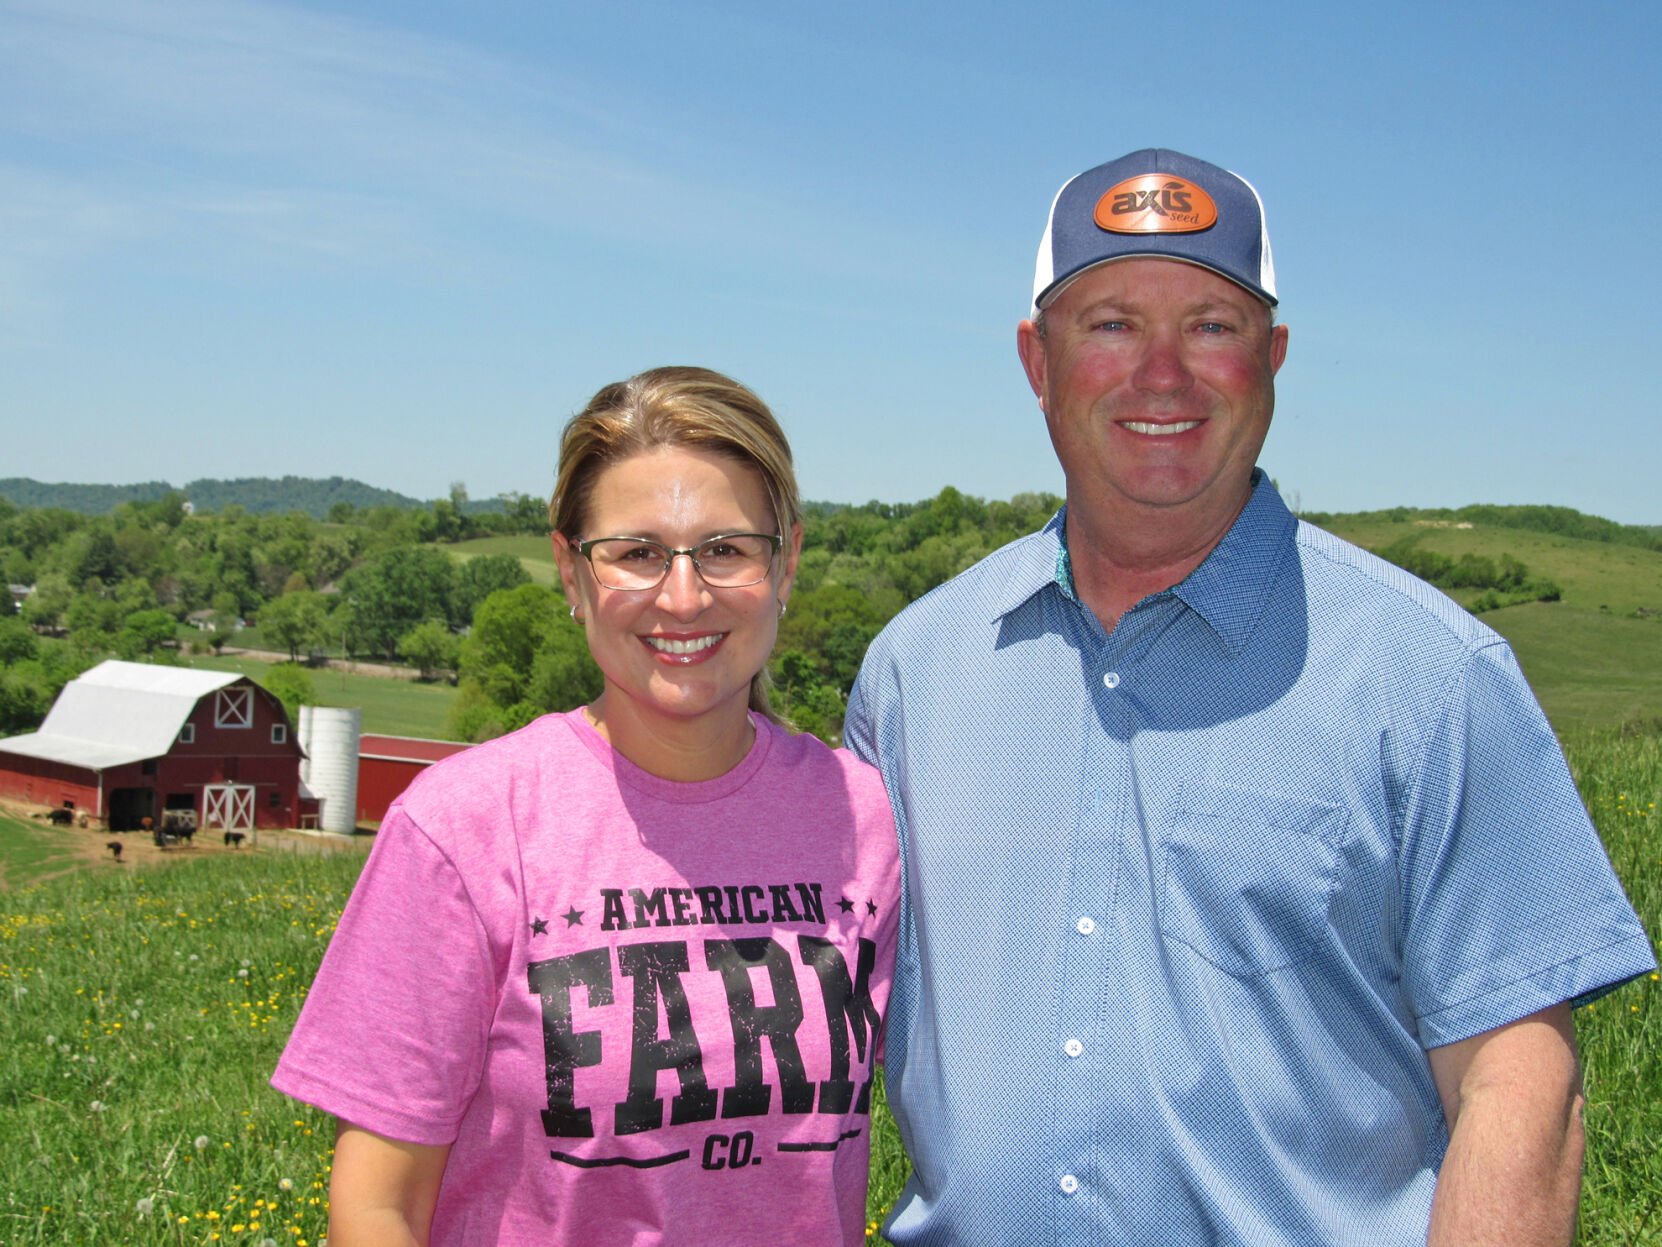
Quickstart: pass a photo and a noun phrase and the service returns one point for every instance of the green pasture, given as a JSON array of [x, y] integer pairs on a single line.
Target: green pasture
[[1620, 778], [142, 1011], [1594, 575], [30, 851], [1591, 658], [1588, 668], [393, 707], [535, 554]]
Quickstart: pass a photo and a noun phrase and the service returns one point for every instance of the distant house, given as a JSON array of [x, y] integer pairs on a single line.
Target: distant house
[[387, 764], [208, 621], [127, 742]]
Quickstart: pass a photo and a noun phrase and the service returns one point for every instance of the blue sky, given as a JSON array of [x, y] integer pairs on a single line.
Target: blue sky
[[403, 242]]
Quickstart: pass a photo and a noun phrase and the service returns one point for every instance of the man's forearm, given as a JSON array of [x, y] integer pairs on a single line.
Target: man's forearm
[[1512, 1175]]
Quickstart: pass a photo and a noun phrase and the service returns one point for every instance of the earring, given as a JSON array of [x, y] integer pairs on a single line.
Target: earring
[[578, 618], [781, 610]]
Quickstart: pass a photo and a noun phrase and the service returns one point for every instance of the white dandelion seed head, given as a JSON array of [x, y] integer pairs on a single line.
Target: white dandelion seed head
[[51, 1041], [97, 1106], [201, 1142], [144, 1206]]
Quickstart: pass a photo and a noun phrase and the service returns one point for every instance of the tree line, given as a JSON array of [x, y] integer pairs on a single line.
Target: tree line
[[262, 495], [379, 582]]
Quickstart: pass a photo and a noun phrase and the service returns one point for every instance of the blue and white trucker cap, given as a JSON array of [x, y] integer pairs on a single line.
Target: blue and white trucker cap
[[1156, 203]]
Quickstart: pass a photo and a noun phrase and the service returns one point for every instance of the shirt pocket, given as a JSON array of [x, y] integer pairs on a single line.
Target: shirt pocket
[[1249, 875]]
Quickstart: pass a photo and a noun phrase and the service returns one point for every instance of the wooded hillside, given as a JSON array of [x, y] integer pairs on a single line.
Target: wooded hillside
[[456, 593]]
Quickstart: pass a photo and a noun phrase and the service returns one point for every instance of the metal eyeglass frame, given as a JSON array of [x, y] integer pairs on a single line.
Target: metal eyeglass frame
[[586, 549]]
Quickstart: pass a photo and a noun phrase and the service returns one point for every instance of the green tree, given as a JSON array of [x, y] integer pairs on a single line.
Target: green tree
[[430, 646], [144, 633], [17, 641], [398, 589], [47, 607], [563, 673], [524, 657], [482, 576], [295, 621], [508, 629], [290, 684]]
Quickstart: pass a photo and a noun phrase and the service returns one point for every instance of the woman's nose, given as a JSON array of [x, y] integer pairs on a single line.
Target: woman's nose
[[683, 592]]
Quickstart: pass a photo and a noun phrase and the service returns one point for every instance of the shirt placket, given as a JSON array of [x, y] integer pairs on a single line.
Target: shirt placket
[[1084, 1052]]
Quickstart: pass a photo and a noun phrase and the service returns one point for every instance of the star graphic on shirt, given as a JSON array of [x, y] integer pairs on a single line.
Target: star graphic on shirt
[[846, 905], [539, 926], [871, 907], [573, 917]]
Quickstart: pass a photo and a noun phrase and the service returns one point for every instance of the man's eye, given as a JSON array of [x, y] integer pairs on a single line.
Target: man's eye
[[1111, 326], [1213, 326]]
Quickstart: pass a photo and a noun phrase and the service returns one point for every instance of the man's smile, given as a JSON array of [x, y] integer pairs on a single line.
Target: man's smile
[[1159, 430]]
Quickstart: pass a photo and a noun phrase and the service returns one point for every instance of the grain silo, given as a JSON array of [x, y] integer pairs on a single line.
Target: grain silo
[[329, 735]]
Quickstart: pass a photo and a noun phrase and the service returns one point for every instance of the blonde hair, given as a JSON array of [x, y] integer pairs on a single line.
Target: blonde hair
[[675, 406]]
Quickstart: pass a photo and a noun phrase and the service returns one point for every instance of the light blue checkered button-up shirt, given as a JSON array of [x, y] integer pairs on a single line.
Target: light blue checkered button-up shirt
[[1186, 904]]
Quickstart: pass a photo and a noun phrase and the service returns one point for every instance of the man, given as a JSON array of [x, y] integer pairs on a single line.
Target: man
[[1247, 891]]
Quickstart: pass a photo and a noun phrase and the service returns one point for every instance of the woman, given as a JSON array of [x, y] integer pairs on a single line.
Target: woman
[[617, 977]]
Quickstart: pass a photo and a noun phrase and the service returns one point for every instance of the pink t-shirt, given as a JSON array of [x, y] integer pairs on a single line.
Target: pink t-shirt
[[640, 1011]]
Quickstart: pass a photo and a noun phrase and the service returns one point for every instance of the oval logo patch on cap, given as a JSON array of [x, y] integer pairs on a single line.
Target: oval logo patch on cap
[[1155, 203]]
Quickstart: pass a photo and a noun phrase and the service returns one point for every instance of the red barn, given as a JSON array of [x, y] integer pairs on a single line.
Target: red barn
[[387, 764], [127, 741]]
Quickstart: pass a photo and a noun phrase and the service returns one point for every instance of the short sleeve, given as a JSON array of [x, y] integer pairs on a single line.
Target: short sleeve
[[393, 1033], [1510, 903], [858, 734]]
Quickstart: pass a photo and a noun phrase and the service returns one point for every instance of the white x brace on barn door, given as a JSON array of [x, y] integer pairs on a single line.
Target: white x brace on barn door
[[228, 806]]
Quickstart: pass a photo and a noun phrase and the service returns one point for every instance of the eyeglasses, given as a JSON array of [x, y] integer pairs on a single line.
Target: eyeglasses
[[731, 561]]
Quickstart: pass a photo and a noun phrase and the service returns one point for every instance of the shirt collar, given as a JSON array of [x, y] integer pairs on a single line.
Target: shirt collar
[[1228, 589], [1231, 585]]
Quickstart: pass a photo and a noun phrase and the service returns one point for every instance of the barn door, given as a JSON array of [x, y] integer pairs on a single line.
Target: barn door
[[228, 806]]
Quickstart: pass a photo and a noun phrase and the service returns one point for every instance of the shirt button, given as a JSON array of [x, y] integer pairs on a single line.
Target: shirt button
[[1112, 679], [1084, 926], [1068, 1183], [1073, 1047]]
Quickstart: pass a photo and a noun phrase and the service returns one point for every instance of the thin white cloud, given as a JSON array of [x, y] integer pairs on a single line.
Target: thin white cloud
[[314, 131]]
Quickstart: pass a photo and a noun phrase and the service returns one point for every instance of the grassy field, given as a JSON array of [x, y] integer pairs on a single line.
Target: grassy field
[[1591, 659], [1620, 778], [1588, 668], [1592, 574], [395, 707], [533, 553], [30, 851], [142, 1011]]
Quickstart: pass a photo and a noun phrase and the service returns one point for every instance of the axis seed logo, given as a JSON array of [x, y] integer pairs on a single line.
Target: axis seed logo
[[1155, 203]]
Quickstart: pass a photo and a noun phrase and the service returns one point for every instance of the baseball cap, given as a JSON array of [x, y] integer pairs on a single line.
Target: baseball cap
[[1161, 203]]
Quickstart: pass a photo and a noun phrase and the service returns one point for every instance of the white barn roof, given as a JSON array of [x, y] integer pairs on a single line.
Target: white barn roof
[[118, 712]]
